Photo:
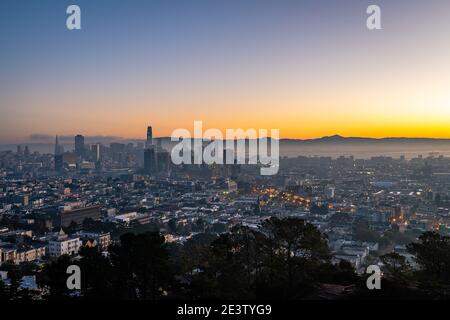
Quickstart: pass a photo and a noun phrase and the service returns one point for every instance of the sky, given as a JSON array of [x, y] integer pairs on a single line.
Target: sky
[[309, 68]]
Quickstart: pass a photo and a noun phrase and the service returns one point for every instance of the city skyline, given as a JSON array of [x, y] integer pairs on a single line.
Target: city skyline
[[69, 138], [308, 68]]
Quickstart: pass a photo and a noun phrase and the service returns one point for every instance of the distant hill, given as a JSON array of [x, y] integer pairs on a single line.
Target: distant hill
[[332, 146], [359, 140]]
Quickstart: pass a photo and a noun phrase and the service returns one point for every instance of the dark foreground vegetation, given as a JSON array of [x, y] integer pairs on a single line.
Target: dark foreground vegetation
[[284, 260]]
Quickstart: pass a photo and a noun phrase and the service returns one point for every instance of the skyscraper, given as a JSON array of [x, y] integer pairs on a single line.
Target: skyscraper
[[58, 157], [162, 161], [58, 148], [150, 161], [79, 145], [149, 142], [95, 148], [59, 162]]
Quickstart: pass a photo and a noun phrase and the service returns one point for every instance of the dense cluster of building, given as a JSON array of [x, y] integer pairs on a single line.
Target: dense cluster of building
[[52, 205]]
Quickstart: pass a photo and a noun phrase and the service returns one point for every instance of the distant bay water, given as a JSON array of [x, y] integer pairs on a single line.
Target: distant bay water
[[333, 147]]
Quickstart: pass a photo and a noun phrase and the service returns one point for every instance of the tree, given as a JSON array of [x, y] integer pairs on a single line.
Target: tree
[[73, 227], [399, 238], [282, 260], [295, 237], [432, 254], [194, 253], [172, 224], [231, 270], [15, 276], [4, 293], [219, 227], [141, 266], [91, 225], [53, 278], [397, 268], [200, 225], [96, 272], [298, 250], [362, 232]]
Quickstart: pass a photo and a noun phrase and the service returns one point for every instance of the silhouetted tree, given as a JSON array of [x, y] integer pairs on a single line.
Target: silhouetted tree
[[432, 254], [396, 268], [73, 227], [282, 260], [298, 250], [53, 278], [141, 266], [92, 225], [4, 292], [172, 224], [96, 274], [362, 232]]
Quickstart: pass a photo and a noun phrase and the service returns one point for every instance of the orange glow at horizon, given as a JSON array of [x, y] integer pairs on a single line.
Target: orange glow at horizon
[[304, 68]]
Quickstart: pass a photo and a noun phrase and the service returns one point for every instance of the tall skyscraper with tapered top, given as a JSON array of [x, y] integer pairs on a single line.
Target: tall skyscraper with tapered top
[[58, 157], [149, 142], [56, 146], [59, 149]]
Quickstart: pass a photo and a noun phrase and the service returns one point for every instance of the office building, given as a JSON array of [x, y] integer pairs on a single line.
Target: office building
[[62, 244], [79, 145], [149, 142], [59, 149], [150, 164], [79, 215], [95, 148], [163, 161], [59, 162]]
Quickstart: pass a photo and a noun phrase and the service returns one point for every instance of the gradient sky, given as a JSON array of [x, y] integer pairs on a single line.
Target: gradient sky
[[308, 68]]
